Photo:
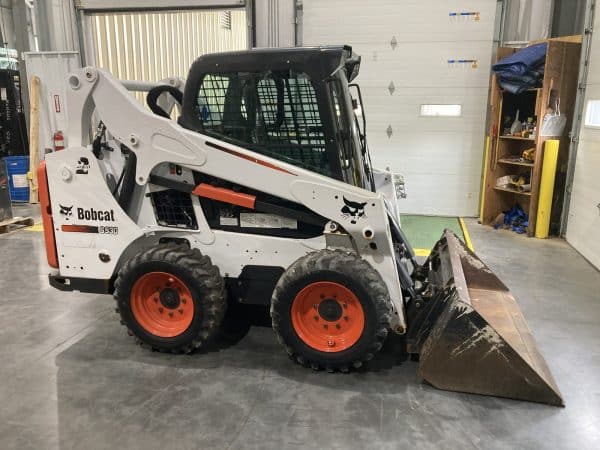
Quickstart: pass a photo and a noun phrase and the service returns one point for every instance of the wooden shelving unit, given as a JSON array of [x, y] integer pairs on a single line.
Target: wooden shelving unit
[[560, 80]]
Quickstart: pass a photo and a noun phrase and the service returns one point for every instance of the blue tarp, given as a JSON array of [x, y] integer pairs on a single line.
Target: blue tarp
[[523, 69], [515, 219], [523, 60]]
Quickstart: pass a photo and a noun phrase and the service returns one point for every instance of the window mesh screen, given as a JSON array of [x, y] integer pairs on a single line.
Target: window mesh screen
[[272, 113]]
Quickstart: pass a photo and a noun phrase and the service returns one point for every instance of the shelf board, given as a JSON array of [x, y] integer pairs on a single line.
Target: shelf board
[[516, 163], [526, 90], [514, 191], [517, 138]]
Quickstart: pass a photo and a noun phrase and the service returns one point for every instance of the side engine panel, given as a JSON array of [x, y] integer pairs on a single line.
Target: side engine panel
[[96, 231]]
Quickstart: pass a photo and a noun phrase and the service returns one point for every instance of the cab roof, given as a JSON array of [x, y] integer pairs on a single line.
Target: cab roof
[[317, 62]]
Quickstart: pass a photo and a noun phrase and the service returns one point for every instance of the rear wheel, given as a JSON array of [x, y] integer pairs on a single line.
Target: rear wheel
[[331, 310], [171, 298]]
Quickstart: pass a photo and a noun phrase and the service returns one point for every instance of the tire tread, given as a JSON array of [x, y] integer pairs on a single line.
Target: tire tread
[[202, 271], [353, 266]]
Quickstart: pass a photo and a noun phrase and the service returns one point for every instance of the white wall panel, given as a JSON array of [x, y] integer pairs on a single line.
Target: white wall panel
[[156, 45], [528, 20], [275, 24], [409, 44], [377, 21], [583, 227]]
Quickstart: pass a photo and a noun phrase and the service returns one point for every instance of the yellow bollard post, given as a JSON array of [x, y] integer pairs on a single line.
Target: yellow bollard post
[[484, 178], [542, 227]]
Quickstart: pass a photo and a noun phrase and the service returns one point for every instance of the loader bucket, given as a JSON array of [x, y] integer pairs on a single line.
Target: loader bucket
[[473, 337]]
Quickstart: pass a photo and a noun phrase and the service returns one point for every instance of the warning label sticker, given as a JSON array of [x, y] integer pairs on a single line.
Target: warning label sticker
[[20, 181], [255, 220], [56, 103], [229, 221]]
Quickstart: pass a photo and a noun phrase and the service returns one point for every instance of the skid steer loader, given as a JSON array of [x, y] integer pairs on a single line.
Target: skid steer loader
[[263, 192]]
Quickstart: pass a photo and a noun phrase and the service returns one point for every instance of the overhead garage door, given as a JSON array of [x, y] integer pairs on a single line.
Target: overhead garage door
[[583, 228], [419, 52], [149, 46]]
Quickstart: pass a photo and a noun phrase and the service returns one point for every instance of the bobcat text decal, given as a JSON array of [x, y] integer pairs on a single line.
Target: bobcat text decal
[[89, 214], [92, 214]]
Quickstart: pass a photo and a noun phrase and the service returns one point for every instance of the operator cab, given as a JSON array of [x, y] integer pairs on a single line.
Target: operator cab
[[292, 104]]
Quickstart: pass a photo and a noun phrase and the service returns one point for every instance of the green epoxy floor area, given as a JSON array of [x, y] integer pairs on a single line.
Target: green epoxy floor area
[[424, 231]]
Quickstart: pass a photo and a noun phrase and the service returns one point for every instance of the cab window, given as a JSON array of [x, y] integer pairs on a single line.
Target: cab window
[[273, 113]]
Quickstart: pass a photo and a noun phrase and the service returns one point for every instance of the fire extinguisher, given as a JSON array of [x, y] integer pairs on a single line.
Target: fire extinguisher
[[59, 141]]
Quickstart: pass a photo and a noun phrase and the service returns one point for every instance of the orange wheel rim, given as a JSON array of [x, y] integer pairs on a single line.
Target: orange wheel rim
[[162, 304], [328, 316]]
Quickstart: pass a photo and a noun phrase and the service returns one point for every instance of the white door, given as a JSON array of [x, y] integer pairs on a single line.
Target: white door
[[583, 226], [419, 52]]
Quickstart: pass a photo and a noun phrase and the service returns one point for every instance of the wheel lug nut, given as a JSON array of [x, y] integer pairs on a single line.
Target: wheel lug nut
[[184, 301], [160, 310], [155, 299], [346, 318], [180, 311], [345, 305], [325, 326], [322, 296], [315, 306], [337, 325], [170, 314], [316, 317], [330, 343], [170, 280]]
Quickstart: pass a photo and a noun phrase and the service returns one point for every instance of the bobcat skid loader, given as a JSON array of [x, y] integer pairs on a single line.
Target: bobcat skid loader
[[262, 192]]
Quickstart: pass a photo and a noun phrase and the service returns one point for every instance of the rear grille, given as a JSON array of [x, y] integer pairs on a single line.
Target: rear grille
[[174, 209]]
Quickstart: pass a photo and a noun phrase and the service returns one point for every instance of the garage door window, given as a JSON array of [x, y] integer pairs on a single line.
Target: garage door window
[[440, 111], [592, 115], [273, 113]]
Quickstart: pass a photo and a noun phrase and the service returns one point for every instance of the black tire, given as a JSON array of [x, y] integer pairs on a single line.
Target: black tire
[[353, 273], [200, 277]]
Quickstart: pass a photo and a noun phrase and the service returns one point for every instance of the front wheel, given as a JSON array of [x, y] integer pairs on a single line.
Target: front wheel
[[331, 310]]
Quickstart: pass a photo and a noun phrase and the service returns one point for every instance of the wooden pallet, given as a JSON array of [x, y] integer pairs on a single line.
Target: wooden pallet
[[15, 223]]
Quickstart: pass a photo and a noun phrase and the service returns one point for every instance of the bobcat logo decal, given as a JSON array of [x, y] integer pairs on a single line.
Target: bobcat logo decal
[[66, 210], [353, 210]]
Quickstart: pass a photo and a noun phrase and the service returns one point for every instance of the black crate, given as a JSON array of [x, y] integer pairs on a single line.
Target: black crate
[[5, 206], [13, 130]]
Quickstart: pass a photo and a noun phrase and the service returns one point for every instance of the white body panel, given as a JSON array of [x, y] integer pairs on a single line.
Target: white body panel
[[157, 141], [409, 43]]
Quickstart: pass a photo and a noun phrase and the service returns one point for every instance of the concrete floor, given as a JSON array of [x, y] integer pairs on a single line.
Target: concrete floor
[[72, 378]]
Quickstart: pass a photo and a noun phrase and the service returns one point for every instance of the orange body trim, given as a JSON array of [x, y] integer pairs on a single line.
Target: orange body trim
[[225, 195], [79, 229], [51, 253], [257, 161]]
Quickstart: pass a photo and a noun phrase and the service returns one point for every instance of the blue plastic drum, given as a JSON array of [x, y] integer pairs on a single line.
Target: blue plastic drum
[[17, 168]]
